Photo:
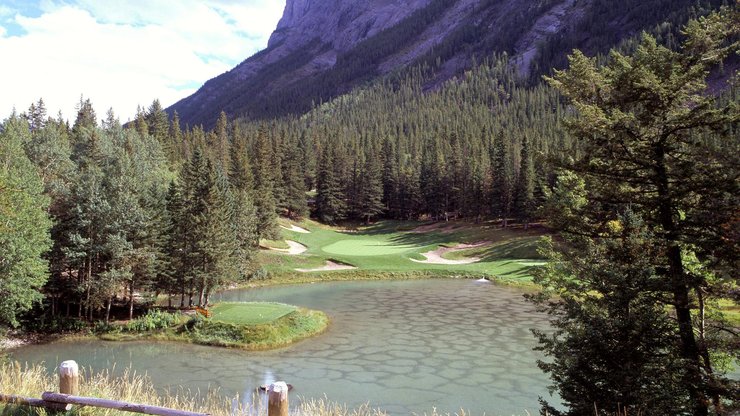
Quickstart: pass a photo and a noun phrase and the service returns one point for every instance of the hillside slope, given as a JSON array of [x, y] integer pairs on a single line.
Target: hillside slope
[[324, 48]]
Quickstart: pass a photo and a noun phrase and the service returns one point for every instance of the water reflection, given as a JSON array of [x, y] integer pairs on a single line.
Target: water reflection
[[403, 346]]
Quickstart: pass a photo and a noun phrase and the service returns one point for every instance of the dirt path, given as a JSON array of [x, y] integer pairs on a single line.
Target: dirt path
[[435, 256], [296, 229], [294, 250], [330, 265]]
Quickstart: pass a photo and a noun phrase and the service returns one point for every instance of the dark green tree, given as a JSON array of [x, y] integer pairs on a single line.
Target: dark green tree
[[264, 182], [656, 143], [609, 350], [330, 207], [390, 178], [524, 203], [240, 175], [158, 122], [502, 186], [294, 183], [221, 142], [370, 197], [24, 225]]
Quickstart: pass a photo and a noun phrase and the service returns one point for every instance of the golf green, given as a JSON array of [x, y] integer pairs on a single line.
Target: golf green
[[367, 247], [250, 313]]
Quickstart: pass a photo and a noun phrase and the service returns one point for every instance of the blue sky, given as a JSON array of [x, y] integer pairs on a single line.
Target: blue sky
[[123, 53]]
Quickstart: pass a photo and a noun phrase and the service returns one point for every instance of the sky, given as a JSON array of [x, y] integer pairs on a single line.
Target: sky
[[122, 53]]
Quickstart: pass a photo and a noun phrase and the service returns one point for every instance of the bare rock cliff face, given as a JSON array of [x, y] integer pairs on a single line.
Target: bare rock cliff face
[[324, 48], [340, 23], [317, 30]]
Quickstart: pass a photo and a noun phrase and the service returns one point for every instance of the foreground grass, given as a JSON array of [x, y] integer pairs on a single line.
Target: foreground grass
[[32, 381], [259, 326]]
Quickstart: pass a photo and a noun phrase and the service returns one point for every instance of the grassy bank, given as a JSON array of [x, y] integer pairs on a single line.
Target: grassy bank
[[251, 326]]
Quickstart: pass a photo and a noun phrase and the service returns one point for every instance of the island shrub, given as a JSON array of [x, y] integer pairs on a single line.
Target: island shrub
[[155, 319]]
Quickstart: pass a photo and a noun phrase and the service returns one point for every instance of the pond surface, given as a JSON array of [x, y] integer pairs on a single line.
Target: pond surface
[[405, 347]]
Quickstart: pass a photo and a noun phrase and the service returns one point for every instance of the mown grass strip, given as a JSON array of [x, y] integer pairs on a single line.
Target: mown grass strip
[[250, 313]]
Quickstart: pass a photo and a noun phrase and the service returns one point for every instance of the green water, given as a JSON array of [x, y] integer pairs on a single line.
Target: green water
[[406, 347]]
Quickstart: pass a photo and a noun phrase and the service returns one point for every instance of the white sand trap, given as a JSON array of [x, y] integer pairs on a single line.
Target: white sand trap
[[330, 265], [435, 256], [296, 229], [294, 250]]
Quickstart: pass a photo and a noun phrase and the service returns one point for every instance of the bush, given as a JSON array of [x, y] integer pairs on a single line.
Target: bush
[[155, 319], [259, 274], [55, 325]]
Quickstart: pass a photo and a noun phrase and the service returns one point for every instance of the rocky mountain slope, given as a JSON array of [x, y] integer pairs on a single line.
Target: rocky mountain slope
[[324, 48]]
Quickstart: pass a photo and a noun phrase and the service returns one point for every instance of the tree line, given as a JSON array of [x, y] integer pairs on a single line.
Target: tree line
[[154, 207]]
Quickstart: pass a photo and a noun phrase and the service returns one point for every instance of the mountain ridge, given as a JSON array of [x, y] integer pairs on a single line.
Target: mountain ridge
[[321, 49]]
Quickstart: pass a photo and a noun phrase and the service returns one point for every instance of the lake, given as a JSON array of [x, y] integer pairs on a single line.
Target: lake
[[403, 346]]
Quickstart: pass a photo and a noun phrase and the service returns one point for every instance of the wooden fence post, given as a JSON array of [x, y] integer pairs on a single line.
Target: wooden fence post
[[277, 399], [69, 378]]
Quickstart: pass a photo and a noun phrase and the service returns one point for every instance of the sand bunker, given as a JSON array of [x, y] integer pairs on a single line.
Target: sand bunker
[[294, 250], [296, 229], [330, 265], [435, 256]]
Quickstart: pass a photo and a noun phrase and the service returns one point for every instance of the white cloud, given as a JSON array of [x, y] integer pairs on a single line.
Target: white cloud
[[5, 11], [122, 54]]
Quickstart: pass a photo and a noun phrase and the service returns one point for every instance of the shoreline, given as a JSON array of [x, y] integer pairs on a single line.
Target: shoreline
[[15, 340]]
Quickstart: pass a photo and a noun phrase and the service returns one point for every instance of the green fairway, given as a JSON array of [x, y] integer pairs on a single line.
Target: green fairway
[[251, 313], [508, 254]]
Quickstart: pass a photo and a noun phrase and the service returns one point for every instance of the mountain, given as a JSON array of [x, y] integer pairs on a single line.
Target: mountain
[[324, 48]]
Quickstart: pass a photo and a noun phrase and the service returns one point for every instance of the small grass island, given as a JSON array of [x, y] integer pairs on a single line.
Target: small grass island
[[246, 325]]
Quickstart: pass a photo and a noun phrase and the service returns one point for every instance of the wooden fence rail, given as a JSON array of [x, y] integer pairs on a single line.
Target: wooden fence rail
[[69, 388], [115, 404], [28, 401]]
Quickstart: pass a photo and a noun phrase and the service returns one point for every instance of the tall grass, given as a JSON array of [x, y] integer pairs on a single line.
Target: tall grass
[[32, 381]]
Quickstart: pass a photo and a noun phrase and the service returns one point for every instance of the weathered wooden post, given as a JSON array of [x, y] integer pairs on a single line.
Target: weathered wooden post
[[69, 378], [277, 399]]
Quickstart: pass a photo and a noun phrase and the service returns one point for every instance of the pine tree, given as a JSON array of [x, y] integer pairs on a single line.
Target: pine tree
[[390, 178], [609, 350], [330, 207], [294, 184], [173, 278], [657, 145], [157, 122], [141, 125], [240, 175], [245, 231], [433, 179], [371, 194], [264, 199], [524, 195], [24, 225], [86, 118], [176, 149], [503, 179], [222, 143]]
